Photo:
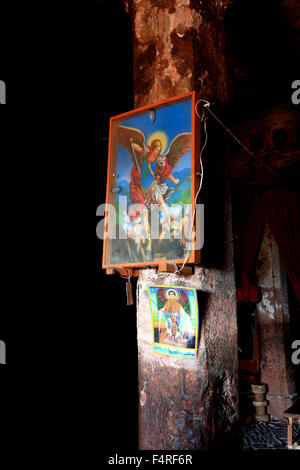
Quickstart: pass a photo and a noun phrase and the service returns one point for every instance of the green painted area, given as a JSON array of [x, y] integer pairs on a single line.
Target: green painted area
[[184, 198]]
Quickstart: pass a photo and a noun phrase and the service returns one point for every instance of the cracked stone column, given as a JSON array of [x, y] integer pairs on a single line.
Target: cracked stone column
[[187, 403], [179, 46], [274, 328]]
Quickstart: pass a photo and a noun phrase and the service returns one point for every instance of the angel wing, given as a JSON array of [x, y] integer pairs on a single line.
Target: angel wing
[[161, 295], [180, 145], [128, 136], [183, 297]]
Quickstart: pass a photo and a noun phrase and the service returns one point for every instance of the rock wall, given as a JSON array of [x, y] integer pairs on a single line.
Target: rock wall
[[188, 403], [178, 47]]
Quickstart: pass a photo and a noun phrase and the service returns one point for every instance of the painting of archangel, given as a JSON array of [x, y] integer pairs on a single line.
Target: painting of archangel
[[174, 320], [153, 169]]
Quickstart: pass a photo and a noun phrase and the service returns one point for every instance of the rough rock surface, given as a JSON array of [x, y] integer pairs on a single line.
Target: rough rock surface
[[186, 403], [178, 46]]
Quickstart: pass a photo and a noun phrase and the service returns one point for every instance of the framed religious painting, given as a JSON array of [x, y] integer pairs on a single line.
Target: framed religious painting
[[174, 312], [152, 182]]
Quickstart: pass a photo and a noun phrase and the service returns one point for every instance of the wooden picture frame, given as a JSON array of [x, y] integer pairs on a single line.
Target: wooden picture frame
[[154, 158]]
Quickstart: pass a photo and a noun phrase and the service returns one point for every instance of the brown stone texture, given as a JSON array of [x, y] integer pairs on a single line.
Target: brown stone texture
[[191, 403], [178, 47], [187, 403], [274, 321]]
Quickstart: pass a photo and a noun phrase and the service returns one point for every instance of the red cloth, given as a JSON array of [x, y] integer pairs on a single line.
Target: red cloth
[[281, 209], [248, 292], [249, 226], [136, 195], [163, 172]]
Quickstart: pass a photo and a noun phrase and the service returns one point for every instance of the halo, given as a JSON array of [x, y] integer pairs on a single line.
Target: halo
[[171, 290], [161, 136]]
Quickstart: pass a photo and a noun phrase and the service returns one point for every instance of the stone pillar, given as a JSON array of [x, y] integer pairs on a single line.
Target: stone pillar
[[188, 403], [273, 322], [185, 403], [179, 46]]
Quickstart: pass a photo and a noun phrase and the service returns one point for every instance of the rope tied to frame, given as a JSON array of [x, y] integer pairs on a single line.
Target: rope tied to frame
[[200, 185]]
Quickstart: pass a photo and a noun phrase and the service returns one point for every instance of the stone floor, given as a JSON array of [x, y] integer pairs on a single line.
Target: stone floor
[[267, 436]]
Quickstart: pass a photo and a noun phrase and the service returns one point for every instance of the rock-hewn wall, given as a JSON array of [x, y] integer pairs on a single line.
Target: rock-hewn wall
[[187, 403], [178, 47]]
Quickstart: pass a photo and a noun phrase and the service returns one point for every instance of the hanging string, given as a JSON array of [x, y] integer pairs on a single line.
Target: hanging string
[[128, 273], [207, 108], [198, 192]]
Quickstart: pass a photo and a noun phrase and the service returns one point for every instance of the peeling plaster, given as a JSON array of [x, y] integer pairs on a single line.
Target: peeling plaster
[[167, 72], [203, 279], [266, 306]]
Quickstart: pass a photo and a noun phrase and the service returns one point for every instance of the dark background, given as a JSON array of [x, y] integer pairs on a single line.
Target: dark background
[[63, 79], [110, 70]]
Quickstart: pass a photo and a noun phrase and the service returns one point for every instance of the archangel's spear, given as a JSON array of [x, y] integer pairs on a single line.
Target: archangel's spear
[[133, 151]]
